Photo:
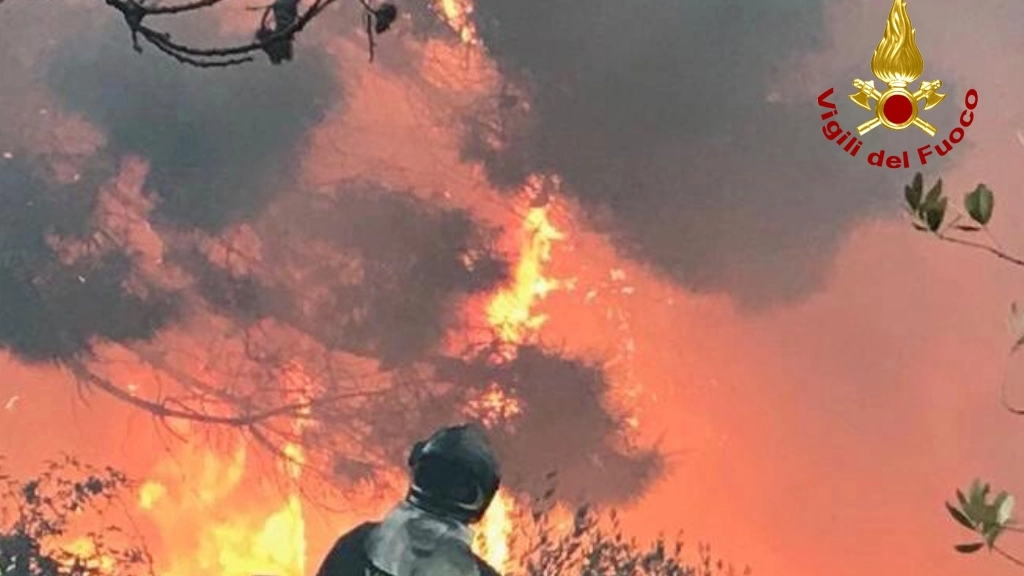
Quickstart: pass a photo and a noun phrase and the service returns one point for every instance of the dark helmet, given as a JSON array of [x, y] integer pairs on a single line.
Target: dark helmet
[[454, 473]]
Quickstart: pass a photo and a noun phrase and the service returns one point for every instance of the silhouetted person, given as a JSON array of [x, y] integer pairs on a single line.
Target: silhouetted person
[[454, 477]]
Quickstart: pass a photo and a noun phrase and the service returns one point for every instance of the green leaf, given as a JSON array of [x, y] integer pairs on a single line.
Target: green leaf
[[980, 203], [913, 197], [975, 500], [972, 203], [962, 499], [960, 517], [1005, 509], [969, 548], [935, 193], [991, 534], [1003, 495], [976, 488], [918, 184], [935, 213]]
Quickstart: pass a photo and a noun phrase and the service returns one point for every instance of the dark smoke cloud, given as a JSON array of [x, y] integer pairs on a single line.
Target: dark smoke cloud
[[410, 266], [245, 298], [656, 114], [370, 271], [221, 143], [51, 309]]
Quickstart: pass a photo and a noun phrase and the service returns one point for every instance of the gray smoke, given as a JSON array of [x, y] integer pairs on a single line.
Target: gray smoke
[[220, 142], [50, 309], [657, 114], [371, 271]]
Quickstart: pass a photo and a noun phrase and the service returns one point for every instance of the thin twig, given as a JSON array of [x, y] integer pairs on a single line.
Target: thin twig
[[135, 13], [1009, 556], [976, 245], [164, 409]]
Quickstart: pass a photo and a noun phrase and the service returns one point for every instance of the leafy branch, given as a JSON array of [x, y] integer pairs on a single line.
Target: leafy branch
[[45, 521], [988, 520], [929, 214], [588, 541]]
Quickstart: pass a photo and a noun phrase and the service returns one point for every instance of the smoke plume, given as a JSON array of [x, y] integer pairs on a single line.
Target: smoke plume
[[668, 120]]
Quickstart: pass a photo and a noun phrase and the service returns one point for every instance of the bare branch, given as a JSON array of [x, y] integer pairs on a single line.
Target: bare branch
[[174, 408], [1009, 557], [281, 22]]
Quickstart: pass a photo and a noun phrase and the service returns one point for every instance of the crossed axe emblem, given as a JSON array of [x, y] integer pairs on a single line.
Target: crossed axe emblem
[[868, 92]]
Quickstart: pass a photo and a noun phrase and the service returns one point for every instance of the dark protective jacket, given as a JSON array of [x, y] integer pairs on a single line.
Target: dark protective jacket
[[404, 544]]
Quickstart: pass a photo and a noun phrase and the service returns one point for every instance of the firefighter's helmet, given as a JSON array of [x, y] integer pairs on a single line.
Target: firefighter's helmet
[[454, 473]]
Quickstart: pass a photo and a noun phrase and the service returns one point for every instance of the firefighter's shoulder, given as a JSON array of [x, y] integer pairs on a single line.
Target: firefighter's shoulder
[[348, 556]]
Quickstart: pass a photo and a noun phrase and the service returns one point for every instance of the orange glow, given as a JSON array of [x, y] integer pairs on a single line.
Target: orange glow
[[493, 540], [512, 317], [457, 14], [192, 501], [85, 549], [511, 313], [213, 515], [494, 407]]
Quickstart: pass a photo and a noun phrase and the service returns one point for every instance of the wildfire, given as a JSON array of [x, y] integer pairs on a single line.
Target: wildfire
[[222, 523], [458, 15], [512, 317], [211, 509], [494, 407], [86, 549], [510, 313], [497, 530]]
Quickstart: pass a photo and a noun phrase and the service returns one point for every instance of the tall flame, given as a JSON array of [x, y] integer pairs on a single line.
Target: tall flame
[[897, 60], [497, 529], [511, 315], [223, 523], [511, 311]]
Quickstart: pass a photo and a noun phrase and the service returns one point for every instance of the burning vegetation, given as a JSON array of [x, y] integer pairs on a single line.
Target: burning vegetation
[[300, 344], [287, 343]]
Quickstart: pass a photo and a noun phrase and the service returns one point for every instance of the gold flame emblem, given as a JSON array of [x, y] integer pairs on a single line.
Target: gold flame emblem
[[897, 62]]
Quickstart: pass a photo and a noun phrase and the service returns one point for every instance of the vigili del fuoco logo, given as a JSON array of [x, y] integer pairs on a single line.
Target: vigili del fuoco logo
[[897, 62]]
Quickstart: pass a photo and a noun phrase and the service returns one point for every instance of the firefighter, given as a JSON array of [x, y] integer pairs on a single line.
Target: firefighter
[[454, 476]]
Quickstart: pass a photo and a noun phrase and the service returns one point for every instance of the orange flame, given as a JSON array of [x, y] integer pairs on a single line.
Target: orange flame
[[458, 15], [496, 531], [217, 524], [512, 317], [510, 313], [85, 551]]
